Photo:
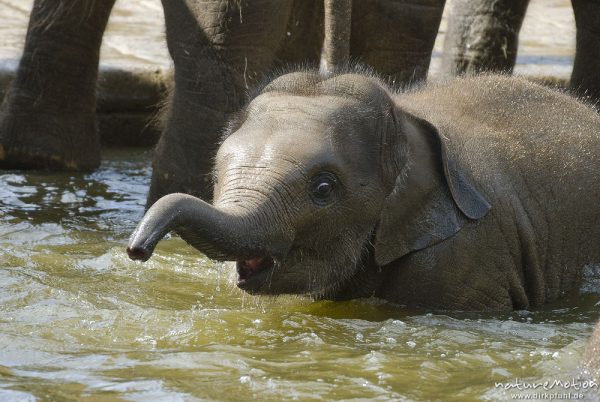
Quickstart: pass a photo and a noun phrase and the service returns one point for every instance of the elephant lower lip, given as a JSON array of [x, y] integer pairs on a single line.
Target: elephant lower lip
[[250, 270]]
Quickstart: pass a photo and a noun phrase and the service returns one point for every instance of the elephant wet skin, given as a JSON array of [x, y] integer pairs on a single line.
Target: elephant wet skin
[[481, 193]]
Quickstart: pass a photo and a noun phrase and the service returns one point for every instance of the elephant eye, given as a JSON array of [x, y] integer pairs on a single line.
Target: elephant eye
[[322, 187]]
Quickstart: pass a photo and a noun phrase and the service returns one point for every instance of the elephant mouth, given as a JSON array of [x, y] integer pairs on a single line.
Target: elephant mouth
[[253, 271]]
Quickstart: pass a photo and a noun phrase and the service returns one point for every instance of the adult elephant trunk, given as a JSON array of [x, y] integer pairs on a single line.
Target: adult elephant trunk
[[335, 53], [219, 234]]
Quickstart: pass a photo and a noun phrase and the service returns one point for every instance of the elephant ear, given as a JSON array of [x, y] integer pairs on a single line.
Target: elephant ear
[[427, 204]]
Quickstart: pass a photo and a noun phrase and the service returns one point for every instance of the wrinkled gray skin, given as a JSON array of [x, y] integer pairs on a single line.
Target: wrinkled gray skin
[[219, 49], [479, 194], [482, 36]]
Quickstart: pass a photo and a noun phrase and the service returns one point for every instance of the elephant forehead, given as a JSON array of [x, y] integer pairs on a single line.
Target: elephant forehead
[[292, 146], [288, 119], [312, 131], [282, 111]]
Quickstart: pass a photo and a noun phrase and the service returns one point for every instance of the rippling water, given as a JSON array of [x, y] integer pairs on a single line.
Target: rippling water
[[78, 319]]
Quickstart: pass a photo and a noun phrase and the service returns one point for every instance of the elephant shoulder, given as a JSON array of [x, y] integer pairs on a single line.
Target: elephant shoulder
[[501, 118], [498, 101]]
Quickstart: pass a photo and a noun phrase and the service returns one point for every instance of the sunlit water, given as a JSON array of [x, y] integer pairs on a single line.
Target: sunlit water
[[78, 319]]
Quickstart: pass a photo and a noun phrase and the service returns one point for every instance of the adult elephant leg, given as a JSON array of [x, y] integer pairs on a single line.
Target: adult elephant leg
[[220, 49], [47, 119], [482, 35], [585, 79], [396, 37], [336, 43]]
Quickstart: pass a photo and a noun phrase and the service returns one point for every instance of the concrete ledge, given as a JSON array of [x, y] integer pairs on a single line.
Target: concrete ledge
[[127, 129], [131, 90], [127, 103]]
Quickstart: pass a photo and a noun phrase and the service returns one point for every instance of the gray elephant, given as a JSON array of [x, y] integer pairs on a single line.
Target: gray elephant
[[477, 194], [483, 36], [219, 49]]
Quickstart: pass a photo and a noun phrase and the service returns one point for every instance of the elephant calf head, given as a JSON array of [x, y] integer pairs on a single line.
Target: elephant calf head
[[311, 187]]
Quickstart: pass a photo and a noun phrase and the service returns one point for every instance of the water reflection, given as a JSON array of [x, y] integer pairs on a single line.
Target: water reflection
[[114, 192]]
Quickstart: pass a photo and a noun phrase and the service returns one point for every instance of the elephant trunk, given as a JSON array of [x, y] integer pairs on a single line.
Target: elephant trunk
[[335, 51], [217, 234]]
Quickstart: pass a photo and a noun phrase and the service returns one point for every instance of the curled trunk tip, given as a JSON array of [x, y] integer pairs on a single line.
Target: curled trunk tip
[[138, 253], [160, 219]]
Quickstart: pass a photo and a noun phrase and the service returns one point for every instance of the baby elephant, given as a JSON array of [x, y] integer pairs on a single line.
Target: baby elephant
[[477, 194]]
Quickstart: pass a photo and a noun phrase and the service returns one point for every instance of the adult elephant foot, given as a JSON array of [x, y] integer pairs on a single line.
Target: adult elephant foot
[[47, 119]]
